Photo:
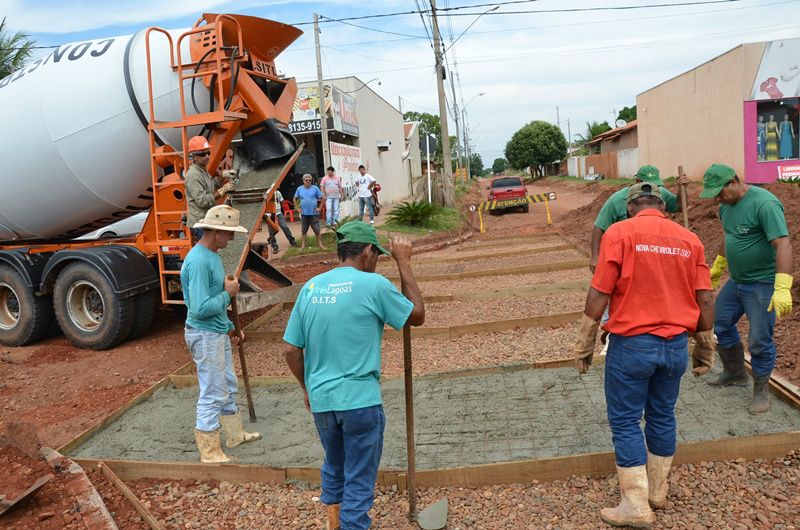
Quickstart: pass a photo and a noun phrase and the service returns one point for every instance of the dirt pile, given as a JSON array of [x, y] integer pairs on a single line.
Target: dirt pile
[[704, 221]]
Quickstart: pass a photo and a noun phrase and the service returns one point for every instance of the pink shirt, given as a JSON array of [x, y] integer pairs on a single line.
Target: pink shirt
[[331, 187]]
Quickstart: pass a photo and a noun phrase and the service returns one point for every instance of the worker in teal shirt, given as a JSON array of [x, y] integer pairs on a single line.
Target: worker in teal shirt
[[209, 334], [339, 368]]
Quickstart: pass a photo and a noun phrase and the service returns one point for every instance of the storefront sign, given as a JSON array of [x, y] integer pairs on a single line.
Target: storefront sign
[[340, 109], [789, 172], [346, 159]]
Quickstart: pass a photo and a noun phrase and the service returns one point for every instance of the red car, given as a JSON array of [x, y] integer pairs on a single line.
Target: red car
[[501, 188]]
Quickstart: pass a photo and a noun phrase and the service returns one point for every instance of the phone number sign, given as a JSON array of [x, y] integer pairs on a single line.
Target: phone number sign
[[296, 127]]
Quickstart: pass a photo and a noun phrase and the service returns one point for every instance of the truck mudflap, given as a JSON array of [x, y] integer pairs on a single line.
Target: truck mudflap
[[126, 268]]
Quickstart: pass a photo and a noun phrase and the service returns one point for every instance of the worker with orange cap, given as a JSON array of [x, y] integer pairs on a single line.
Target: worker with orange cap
[[202, 190]]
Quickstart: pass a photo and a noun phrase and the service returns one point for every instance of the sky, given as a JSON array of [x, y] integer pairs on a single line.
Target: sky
[[567, 62]]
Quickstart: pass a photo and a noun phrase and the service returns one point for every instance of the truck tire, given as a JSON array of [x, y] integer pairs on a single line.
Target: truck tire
[[526, 208], [145, 312], [89, 312], [24, 317]]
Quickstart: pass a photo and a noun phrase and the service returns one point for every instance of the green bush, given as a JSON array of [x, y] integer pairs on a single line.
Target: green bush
[[412, 213]]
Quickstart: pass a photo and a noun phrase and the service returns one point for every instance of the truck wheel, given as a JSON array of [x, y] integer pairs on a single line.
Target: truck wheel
[[89, 312], [24, 317], [145, 308], [526, 208]]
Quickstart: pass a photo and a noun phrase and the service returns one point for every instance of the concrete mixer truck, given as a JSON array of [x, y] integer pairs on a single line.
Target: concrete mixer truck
[[97, 131]]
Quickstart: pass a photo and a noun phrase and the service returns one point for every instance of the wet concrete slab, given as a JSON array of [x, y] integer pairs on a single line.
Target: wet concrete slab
[[459, 421]]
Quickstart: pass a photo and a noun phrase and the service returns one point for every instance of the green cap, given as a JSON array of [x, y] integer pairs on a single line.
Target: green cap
[[715, 179], [643, 189], [359, 232], [649, 174]]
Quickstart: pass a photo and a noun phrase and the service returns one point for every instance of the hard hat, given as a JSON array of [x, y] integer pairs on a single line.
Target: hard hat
[[198, 143]]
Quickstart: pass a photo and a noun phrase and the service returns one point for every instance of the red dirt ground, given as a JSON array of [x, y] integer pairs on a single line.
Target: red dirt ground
[[64, 390]]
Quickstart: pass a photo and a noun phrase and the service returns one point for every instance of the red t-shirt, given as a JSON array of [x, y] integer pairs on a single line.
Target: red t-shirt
[[651, 267]]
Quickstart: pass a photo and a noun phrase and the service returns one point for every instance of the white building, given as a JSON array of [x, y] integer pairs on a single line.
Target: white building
[[362, 129]]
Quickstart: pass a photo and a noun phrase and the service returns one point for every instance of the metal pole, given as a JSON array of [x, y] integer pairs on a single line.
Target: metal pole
[[323, 118], [428, 158], [458, 134], [447, 170]]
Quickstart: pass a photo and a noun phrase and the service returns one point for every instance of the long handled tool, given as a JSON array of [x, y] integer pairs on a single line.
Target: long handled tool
[[411, 479], [684, 201], [434, 517], [242, 361]]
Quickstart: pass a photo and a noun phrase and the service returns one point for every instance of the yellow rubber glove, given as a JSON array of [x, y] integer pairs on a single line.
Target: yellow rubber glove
[[717, 269], [584, 345], [782, 297], [703, 352]]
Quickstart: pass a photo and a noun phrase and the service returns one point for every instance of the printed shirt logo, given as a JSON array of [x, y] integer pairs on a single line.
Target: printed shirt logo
[[742, 229], [328, 293]]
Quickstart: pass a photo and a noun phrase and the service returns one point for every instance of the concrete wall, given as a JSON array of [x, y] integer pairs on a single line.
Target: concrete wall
[[628, 162], [696, 119], [625, 163]]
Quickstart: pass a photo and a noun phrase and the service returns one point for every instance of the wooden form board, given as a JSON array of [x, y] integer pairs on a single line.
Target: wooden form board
[[522, 269], [458, 259], [456, 331]]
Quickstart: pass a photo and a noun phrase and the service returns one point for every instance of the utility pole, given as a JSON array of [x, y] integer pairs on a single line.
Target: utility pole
[[326, 158], [447, 170], [400, 104], [458, 129], [569, 140]]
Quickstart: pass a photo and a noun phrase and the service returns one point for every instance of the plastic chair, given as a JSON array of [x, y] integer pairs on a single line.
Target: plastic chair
[[288, 210]]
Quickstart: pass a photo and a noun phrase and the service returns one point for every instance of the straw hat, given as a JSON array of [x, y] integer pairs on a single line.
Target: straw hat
[[221, 217]]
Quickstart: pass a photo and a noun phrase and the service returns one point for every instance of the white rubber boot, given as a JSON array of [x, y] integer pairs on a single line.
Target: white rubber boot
[[208, 445], [234, 430], [633, 509], [657, 475]]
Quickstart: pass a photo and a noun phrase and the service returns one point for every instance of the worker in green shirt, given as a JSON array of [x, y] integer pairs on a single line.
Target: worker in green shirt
[[757, 248], [615, 208]]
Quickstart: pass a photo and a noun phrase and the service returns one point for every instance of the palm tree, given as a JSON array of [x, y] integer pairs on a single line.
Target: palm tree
[[14, 50], [593, 129]]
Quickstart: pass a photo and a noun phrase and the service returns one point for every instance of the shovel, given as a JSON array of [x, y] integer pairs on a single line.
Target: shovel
[[6, 505], [684, 201]]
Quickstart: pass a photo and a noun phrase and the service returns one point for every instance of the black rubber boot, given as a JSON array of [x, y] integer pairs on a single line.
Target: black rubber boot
[[760, 402], [733, 372]]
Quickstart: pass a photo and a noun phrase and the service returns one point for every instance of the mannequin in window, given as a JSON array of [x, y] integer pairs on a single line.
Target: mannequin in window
[[761, 137], [772, 138], [786, 136]]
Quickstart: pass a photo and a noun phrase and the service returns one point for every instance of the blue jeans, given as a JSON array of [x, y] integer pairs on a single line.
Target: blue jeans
[[368, 201], [215, 376], [751, 299], [643, 372], [332, 210], [353, 443]]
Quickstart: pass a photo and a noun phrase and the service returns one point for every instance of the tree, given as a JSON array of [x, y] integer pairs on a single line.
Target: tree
[[14, 50], [535, 145], [499, 165], [428, 124], [593, 129], [476, 165], [628, 114]]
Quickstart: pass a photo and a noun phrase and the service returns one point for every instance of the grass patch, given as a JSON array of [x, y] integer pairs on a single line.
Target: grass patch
[[443, 220]]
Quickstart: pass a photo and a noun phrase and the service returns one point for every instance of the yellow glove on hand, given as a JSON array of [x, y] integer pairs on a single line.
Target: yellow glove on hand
[[782, 296], [703, 352], [584, 345], [717, 269]]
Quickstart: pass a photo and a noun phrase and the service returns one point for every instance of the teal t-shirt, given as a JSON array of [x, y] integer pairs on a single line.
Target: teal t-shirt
[[616, 209], [203, 280], [750, 224], [338, 319]]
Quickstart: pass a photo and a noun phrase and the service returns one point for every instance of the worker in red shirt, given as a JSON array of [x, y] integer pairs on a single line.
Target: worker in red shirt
[[655, 274]]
